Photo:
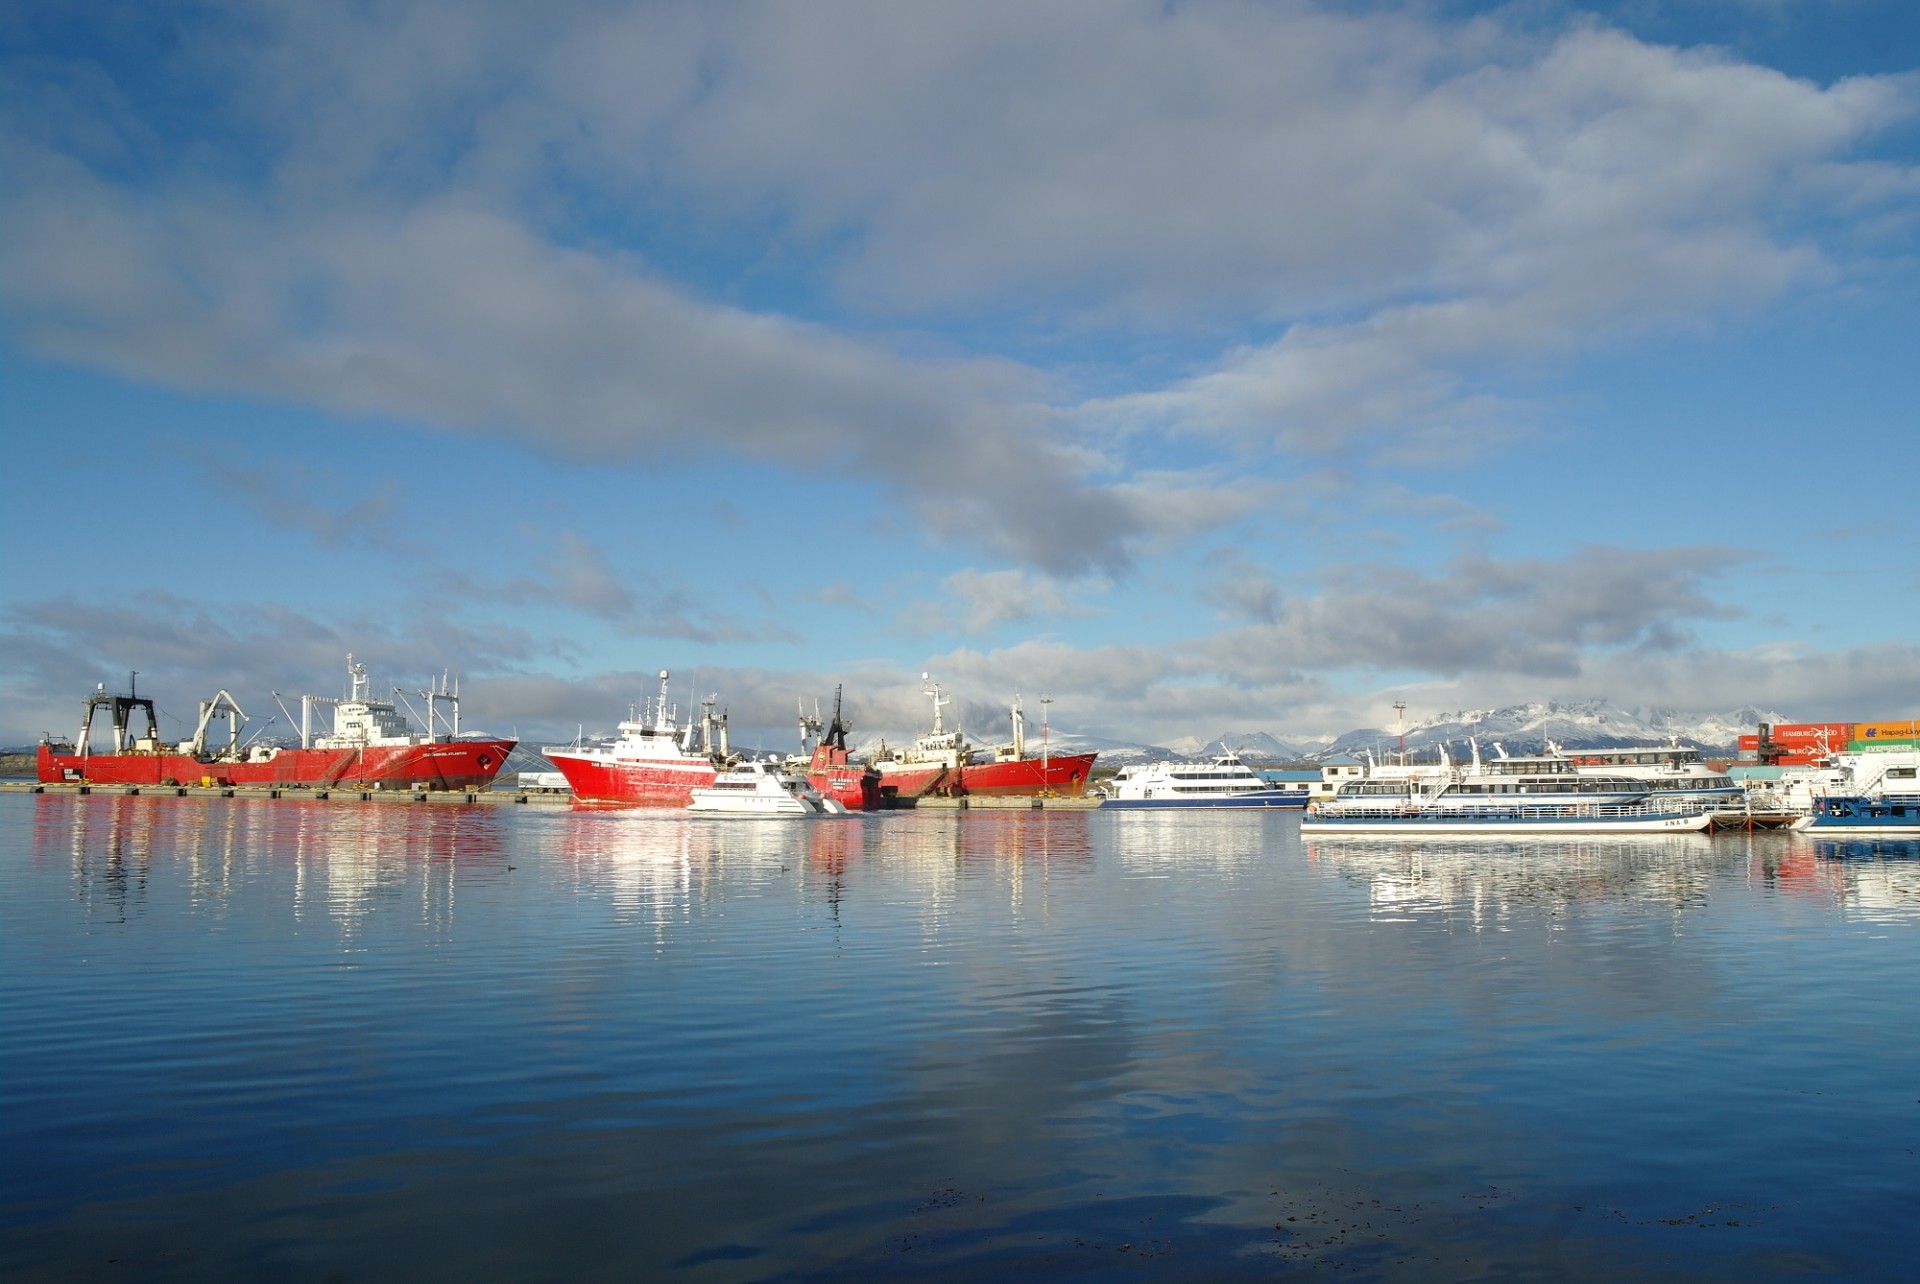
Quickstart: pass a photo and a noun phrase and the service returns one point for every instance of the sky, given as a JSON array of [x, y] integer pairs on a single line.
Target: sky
[[1201, 367]]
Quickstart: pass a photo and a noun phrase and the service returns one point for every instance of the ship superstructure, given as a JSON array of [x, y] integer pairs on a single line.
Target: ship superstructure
[[653, 761]]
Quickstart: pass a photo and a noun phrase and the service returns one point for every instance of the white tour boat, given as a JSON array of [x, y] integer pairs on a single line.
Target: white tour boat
[[1675, 773], [1224, 782], [759, 789], [1531, 795]]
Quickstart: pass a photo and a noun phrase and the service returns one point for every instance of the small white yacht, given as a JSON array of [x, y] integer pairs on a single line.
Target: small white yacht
[[759, 789], [1224, 782]]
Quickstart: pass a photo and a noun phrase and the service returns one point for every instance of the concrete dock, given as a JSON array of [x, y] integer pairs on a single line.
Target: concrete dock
[[454, 797], [978, 803], [473, 798]]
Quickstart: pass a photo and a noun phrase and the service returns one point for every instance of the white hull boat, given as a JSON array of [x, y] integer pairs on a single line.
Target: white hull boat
[[1532, 795], [757, 789]]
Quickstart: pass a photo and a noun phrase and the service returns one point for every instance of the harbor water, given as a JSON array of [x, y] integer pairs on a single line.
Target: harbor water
[[282, 1040]]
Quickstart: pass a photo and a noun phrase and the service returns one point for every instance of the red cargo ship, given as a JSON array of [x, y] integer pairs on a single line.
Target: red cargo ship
[[652, 763], [944, 763], [371, 746]]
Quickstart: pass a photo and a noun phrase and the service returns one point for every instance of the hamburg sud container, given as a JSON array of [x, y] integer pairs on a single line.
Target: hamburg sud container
[[1802, 744]]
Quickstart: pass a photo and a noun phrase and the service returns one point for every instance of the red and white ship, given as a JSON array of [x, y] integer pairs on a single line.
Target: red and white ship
[[653, 762], [370, 746], [830, 768], [943, 762]]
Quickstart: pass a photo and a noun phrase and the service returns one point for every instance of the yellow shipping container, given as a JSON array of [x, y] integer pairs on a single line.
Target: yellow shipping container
[[1902, 729]]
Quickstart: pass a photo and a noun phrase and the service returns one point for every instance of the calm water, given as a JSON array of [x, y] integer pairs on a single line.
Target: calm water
[[296, 1041]]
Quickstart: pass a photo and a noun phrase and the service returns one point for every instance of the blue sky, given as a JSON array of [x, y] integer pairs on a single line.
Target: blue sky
[[1204, 366]]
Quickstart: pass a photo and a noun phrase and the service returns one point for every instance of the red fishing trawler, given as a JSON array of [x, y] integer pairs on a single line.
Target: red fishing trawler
[[829, 766], [944, 762], [370, 745], [652, 763]]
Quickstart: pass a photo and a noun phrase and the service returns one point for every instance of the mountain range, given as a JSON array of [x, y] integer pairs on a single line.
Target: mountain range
[[1519, 728]]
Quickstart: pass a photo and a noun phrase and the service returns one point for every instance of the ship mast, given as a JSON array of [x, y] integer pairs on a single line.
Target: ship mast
[[931, 688], [809, 724], [1045, 700], [836, 736], [660, 722]]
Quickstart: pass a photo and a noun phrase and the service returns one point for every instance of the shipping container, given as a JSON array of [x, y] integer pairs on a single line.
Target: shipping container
[[1749, 742], [1891, 742], [1834, 734], [1898, 729]]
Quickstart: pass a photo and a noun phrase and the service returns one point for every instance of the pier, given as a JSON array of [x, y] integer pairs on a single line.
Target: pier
[[976, 802], [453, 797], [1723, 822], [473, 797]]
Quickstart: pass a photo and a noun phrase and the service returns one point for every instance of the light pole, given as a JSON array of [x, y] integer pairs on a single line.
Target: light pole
[[1045, 778]]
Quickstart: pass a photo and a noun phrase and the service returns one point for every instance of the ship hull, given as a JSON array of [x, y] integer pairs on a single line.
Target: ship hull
[[455, 765], [1064, 775], [1291, 799], [857, 788], [1850, 816], [1572, 821], [634, 783], [907, 783]]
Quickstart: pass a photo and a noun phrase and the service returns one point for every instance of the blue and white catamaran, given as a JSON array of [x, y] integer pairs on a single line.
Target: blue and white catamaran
[[1224, 782], [1542, 794]]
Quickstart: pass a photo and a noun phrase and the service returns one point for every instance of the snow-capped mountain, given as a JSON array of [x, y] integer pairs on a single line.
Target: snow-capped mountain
[[1586, 724], [1519, 728], [1256, 746]]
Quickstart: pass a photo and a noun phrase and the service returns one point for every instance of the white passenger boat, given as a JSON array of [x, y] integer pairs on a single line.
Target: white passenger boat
[[1224, 782], [1675, 773], [757, 789], [1528, 795]]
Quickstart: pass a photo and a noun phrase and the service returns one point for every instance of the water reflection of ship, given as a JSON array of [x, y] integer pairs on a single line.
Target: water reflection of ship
[[346, 861], [1876, 878], [1896, 849], [1212, 838], [1674, 870]]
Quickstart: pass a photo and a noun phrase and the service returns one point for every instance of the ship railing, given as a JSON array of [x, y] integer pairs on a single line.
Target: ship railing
[[1504, 811]]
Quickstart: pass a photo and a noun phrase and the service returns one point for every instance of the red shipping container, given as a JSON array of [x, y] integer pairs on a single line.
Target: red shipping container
[[1834, 734]]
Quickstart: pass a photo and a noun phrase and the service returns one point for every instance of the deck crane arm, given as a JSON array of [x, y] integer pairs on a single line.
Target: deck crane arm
[[236, 716]]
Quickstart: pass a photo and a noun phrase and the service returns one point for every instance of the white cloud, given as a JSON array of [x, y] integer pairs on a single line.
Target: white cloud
[[1331, 658], [859, 237], [977, 601], [419, 211]]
